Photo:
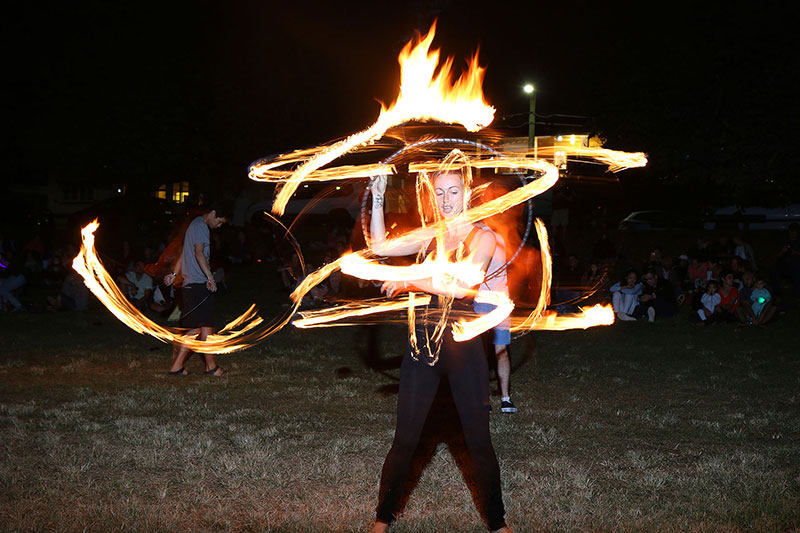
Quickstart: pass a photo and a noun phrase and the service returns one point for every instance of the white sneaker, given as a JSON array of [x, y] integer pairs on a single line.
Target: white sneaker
[[651, 314], [625, 317]]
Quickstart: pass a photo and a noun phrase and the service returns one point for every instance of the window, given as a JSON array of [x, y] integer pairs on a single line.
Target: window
[[180, 191]]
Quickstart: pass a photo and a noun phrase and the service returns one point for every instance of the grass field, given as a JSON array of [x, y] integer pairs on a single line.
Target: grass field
[[634, 427]]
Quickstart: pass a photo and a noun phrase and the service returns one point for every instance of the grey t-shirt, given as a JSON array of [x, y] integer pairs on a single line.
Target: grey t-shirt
[[196, 233]]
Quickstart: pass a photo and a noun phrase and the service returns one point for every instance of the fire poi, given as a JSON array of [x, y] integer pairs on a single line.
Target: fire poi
[[426, 95]]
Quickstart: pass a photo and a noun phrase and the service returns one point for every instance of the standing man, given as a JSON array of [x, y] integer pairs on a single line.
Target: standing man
[[198, 287], [500, 335]]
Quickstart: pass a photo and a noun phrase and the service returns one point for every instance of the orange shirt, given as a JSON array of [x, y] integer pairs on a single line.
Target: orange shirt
[[731, 298]]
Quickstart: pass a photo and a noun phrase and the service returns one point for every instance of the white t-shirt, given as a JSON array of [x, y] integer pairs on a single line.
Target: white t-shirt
[[140, 285]]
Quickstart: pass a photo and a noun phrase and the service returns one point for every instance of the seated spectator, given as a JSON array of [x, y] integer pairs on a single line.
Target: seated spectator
[[729, 297], [625, 295], [709, 306], [743, 311], [55, 269], [715, 271], [657, 298], [566, 287], [163, 301], [761, 303], [11, 279], [738, 268], [74, 295], [137, 286], [744, 251], [593, 276], [698, 274]]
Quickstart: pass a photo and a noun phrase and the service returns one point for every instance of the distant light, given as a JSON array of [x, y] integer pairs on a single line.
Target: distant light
[[119, 191], [559, 138], [572, 139], [528, 88], [338, 188]]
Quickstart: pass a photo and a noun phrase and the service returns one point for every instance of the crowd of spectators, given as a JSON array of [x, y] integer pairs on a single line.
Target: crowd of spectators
[[36, 276], [711, 281], [720, 281]]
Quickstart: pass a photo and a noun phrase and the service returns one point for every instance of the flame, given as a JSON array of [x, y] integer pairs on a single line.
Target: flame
[[424, 95], [239, 334], [447, 275]]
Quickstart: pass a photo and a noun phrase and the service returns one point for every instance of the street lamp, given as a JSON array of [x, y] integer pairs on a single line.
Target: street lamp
[[531, 90]]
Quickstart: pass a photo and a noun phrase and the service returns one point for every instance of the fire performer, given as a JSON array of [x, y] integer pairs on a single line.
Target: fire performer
[[198, 288], [464, 364]]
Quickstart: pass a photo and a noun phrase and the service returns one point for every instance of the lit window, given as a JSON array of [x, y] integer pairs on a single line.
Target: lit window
[[180, 191]]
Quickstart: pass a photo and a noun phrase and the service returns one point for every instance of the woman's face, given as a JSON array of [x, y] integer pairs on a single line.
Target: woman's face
[[631, 278], [449, 189], [728, 280]]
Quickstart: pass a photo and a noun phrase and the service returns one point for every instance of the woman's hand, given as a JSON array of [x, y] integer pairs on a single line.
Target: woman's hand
[[378, 186], [393, 288]]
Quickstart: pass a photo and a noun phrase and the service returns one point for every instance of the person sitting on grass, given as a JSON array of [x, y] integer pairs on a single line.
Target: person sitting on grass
[[74, 295], [761, 303], [138, 286], [625, 295], [709, 306], [657, 298], [729, 297]]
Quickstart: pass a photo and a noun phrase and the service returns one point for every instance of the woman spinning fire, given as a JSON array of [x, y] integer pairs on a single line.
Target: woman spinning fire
[[464, 364]]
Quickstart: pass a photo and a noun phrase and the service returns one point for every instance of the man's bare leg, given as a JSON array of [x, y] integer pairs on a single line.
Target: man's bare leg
[[180, 355], [503, 369]]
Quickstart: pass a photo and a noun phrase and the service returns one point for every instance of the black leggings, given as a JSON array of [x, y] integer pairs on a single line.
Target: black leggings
[[465, 366]]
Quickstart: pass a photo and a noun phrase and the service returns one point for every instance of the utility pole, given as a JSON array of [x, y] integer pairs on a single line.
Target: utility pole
[[531, 91]]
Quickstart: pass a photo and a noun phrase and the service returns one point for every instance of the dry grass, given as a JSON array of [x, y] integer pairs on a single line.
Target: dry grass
[[629, 428]]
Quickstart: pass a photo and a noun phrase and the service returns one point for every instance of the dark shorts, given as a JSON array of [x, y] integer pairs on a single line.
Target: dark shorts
[[198, 306]]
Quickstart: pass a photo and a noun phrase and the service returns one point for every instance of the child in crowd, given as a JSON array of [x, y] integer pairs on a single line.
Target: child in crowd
[[710, 304], [760, 303]]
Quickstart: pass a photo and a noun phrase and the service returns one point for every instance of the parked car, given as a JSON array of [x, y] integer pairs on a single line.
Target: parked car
[[753, 218], [660, 221]]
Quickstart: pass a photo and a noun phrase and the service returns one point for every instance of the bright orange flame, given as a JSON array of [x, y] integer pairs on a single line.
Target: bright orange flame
[[451, 273], [424, 95]]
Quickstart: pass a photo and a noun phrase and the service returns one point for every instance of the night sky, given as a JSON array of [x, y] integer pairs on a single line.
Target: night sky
[[142, 92]]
